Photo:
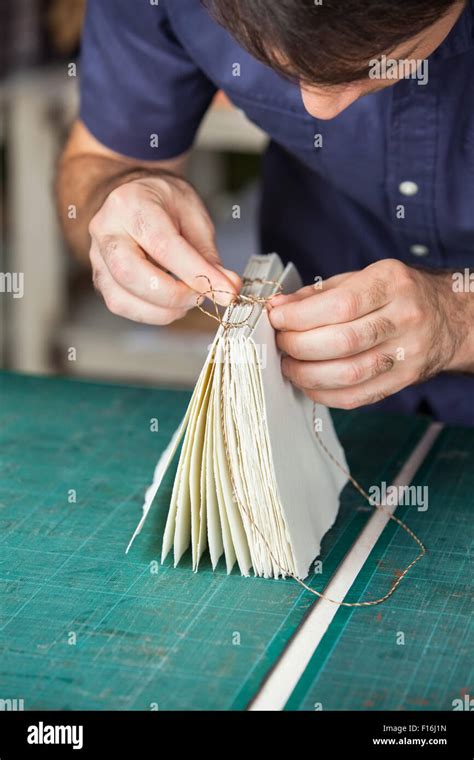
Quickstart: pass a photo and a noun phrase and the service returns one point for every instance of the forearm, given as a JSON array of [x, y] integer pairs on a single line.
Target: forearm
[[82, 184], [462, 315], [86, 174], [459, 312]]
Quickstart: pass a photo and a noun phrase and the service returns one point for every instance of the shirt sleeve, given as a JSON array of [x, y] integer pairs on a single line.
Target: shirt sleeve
[[141, 94]]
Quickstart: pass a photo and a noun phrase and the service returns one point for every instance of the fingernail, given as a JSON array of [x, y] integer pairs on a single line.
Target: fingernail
[[276, 318], [279, 299], [223, 299], [232, 276]]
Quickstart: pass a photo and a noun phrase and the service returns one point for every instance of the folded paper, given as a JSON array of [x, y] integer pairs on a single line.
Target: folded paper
[[253, 484]]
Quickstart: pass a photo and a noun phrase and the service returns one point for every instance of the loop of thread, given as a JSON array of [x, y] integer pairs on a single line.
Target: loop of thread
[[252, 300], [237, 300]]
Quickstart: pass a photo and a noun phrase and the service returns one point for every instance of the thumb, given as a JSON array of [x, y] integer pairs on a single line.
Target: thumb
[[198, 230], [232, 276]]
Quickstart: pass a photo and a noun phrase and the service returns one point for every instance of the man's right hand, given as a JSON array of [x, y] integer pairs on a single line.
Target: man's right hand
[[150, 241]]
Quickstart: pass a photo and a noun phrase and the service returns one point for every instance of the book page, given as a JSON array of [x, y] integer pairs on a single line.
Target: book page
[[308, 482]]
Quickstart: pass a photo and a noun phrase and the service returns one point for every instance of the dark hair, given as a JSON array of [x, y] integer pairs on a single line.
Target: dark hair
[[329, 43]]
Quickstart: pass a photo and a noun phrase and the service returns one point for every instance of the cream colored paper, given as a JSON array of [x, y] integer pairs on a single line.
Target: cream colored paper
[[252, 484]]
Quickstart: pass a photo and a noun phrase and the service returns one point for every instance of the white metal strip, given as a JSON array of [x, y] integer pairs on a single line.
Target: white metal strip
[[279, 685]]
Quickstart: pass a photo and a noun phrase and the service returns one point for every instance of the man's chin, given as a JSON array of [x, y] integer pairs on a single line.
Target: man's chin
[[325, 114]]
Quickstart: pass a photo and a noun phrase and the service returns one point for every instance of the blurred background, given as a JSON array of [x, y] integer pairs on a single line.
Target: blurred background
[[61, 325]]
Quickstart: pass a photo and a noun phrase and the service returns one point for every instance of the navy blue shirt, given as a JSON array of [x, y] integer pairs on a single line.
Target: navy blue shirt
[[153, 70]]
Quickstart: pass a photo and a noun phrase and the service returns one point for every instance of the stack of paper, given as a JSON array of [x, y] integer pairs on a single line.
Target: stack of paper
[[253, 483]]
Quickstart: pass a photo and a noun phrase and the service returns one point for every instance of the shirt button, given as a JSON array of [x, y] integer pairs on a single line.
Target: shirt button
[[408, 188], [419, 250]]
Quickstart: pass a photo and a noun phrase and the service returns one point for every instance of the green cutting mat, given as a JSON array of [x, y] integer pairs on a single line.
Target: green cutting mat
[[416, 653], [85, 627]]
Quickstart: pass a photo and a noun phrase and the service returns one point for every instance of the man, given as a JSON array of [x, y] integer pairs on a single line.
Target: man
[[369, 175]]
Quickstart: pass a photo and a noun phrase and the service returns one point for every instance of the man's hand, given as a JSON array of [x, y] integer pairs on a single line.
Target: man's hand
[[365, 335], [151, 239], [144, 228]]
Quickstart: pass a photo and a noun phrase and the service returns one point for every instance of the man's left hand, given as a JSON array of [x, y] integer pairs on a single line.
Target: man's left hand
[[362, 336]]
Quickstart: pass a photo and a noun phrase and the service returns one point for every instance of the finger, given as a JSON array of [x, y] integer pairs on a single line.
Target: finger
[[354, 297], [363, 394], [124, 304], [156, 234], [197, 228], [309, 290], [336, 279], [131, 269], [338, 341], [341, 373], [286, 298]]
